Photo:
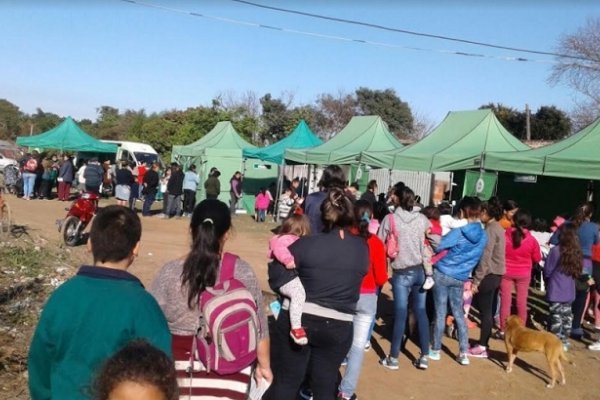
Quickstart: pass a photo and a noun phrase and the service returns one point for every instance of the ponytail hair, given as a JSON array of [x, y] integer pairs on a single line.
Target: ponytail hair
[[210, 222], [582, 213], [363, 212], [337, 210], [522, 221]]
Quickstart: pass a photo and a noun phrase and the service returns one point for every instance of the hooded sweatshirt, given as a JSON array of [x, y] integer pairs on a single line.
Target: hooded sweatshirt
[[465, 246], [410, 228]]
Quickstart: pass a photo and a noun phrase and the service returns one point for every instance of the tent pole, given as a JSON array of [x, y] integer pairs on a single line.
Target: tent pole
[[279, 190], [389, 179], [451, 182]]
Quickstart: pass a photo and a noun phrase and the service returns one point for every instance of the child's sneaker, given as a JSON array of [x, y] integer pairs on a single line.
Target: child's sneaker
[[422, 362], [429, 282], [463, 359], [478, 352], [566, 346], [367, 346], [435, 355], [299, 336], [390, 363]]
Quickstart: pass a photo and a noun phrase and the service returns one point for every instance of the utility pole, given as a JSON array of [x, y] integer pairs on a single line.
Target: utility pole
[[527, 122]]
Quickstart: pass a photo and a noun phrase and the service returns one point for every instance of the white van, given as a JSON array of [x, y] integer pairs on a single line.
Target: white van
[[135, 152]]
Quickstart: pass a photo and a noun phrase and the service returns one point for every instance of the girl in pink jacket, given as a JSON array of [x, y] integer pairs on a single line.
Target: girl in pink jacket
[[522, 252], [261, 205], [283, 277]]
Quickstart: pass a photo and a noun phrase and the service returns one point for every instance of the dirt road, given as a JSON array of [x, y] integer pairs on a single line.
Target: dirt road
[[164, 240]]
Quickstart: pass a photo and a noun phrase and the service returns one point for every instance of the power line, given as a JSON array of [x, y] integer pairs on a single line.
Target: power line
[[422, 34], [333, 37]]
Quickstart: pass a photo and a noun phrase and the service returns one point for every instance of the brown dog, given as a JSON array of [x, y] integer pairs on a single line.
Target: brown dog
[[519, 338]]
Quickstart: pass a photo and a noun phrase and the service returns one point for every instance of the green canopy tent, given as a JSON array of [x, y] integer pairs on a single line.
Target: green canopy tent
[[300, 138], [362, 134], [574, 157], [67, 136], [458, 142], [222, 148]]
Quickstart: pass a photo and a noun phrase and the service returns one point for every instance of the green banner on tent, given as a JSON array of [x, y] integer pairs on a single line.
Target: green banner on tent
[[480, 184]]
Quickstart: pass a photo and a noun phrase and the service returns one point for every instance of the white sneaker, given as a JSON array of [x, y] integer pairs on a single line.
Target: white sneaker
[[429, 282], [595, 346]]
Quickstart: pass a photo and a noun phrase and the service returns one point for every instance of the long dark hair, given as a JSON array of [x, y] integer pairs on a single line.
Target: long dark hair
[[582, 213], [210, 222], [362, 215], [337, 210], [571, 256], [493, 208], [406, 198], [522, 221]]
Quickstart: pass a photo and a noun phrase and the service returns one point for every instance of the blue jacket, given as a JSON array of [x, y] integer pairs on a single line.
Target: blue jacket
[[465, 246]]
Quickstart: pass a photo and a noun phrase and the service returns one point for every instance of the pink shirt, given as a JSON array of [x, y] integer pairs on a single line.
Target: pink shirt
[[519, 261], [278, 248], [262, 202]]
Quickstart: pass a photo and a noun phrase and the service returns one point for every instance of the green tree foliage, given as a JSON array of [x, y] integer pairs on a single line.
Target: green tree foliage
[[275, 119], [10, 120], [389, 107], [548, 123], [43, 121]]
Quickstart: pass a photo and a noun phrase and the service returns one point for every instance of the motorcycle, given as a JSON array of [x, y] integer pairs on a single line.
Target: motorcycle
[[78, 217]]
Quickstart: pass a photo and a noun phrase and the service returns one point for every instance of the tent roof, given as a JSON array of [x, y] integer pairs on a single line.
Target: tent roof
[[300, 138], [221, 140], [574, 157], [456, 143], [67, 136], [364, 133]]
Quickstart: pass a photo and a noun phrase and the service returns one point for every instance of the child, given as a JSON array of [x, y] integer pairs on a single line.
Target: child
[[261, 205], [285, 280], [138, 371], [562, 267], [95, 313], [432, 239]]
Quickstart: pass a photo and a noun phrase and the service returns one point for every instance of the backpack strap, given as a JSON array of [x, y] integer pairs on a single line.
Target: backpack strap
[[392, 224], [227, 267]]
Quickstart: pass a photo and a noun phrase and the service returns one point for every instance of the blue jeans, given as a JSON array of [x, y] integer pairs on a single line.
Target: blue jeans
[[405, 282], [448, 289], [28, 183], [365, 315], [148, 200], [262, 216]]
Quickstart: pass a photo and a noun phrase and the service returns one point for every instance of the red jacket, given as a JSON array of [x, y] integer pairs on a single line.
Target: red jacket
[[377, 274]]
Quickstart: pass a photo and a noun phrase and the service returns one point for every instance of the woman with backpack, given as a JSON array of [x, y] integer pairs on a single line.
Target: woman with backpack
[[179, 287], [408, 275]]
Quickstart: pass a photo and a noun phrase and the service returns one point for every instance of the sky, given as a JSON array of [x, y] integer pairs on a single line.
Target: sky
[[71, 57]]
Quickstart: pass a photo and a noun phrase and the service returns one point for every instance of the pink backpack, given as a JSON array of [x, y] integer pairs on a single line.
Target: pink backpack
[[227, 338], [391, 241]]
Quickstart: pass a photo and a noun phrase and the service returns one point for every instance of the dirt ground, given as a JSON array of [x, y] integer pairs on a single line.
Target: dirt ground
[[164, 240]]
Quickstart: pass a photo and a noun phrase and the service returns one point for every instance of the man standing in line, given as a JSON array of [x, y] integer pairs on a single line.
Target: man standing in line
[[190, 185], [93, 175], [150, 186], [175, 189], [212, 185]]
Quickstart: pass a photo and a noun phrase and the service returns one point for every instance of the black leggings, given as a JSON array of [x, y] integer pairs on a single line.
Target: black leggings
[[485, 298]]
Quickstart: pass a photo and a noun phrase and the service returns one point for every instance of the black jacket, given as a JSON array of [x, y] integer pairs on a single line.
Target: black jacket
[[150, 182], [93, 174], [175, 185]]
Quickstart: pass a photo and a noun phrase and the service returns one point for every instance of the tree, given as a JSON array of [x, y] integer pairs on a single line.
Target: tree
[[513, 120], [550, 123], [581, 70], [44, 121], [274, 118], [333, 113], [107, 123], [10, 120], [389, 107]]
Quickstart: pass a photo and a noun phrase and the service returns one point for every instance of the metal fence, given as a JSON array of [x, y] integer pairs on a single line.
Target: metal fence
[[419, 182]]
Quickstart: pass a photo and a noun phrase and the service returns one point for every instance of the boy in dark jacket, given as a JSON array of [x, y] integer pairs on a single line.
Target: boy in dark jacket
[[95, 313]]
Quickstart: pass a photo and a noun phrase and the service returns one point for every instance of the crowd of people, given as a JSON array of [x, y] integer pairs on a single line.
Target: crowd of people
[[334, 252]]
